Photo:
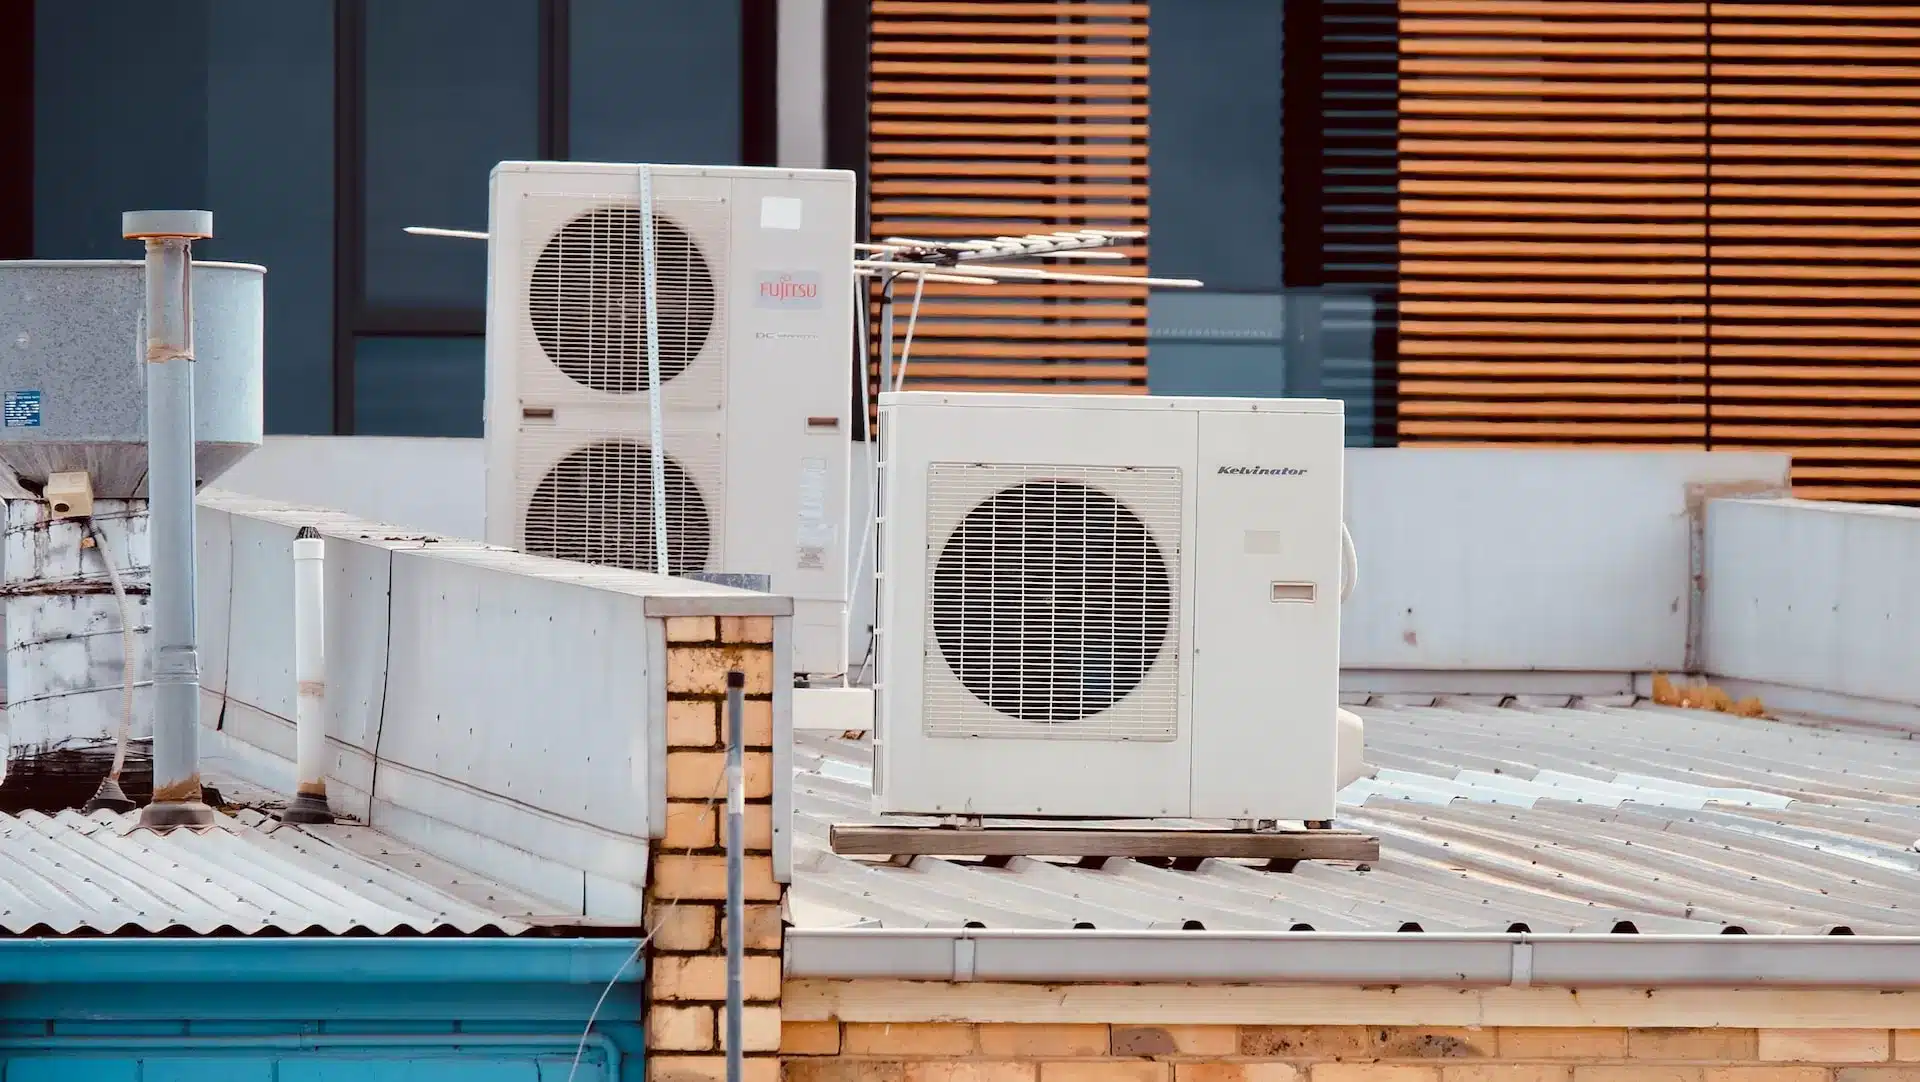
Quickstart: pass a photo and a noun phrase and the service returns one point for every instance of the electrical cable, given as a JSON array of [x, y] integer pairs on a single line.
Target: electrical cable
[[713, 802], [906, 347], [126, 647], [872, 482]]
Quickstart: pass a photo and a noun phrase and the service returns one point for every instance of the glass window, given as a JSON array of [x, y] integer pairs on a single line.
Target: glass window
[[452, 87], [405, 386]]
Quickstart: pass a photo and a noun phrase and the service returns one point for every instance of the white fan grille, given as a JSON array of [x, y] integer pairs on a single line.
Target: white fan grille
[[588, 497], [1053, 602], [585, 324]]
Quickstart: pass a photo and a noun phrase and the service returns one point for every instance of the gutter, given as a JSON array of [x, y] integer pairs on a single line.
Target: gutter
[[1335, 958]]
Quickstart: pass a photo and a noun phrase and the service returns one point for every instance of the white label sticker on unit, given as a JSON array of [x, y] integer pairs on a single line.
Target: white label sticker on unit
[[815, 535], [779, 212], [788, 289]]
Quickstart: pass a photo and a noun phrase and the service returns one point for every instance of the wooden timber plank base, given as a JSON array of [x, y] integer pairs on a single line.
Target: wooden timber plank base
[[905, 841]]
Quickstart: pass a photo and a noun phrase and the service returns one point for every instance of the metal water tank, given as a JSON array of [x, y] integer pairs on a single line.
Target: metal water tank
[[73, 399], [72, 376]]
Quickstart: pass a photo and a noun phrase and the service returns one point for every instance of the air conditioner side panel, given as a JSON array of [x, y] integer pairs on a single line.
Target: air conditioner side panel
[[1267, 615], [506, 298], [1010, 777], [788, 400]]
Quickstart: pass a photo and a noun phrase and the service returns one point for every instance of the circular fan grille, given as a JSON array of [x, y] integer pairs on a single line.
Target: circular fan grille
[[588, 300], [1051, 601], [596, 506]]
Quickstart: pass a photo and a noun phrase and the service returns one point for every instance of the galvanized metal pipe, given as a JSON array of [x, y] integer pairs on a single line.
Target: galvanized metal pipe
[[310, 674], [171, 481], [736, 877]]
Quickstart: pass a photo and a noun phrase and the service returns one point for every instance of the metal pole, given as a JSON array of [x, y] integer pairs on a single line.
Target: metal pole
[[886, 332], [736, 879], [310, 677], [171, 481]]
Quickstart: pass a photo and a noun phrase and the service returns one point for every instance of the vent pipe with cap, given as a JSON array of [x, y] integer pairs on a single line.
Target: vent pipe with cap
[[169, 237], [310, 673]]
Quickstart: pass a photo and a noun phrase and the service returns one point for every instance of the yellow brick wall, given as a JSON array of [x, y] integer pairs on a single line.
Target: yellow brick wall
[[687, 965], [1090, 1052]]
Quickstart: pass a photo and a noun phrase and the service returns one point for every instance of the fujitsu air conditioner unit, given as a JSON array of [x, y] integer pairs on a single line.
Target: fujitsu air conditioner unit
[[1109, 606], [754, 305]]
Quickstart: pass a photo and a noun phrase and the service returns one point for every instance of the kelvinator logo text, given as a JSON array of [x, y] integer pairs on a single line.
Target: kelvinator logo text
[[1264, 471]]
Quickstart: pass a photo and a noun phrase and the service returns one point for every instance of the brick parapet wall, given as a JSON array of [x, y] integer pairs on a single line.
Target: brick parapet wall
[[1091, 1052], [686, 896]]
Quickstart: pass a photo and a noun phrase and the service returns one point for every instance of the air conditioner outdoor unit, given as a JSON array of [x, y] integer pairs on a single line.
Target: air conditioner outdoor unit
[[754, 303], [1109, 606]]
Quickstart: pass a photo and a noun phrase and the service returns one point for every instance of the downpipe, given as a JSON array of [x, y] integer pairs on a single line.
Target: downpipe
[[171, 482]]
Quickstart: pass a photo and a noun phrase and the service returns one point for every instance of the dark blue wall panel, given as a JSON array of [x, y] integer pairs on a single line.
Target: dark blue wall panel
[[655, 81], [1224, 204], [269, 116], [452, 87], [113, 129], [239, 121], [1215, 153]]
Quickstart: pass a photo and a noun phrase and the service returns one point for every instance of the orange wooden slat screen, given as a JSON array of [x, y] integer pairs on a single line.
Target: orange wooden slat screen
[[1815, 261], [1553, 222], [992, 119], [1645, 222]]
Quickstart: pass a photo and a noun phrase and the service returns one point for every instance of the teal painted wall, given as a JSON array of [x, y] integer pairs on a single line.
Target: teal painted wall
[[367, 1010]]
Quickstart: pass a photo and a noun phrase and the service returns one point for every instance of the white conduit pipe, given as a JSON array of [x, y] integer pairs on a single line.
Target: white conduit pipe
[[1349, 563], [310, 671], [656, 436]]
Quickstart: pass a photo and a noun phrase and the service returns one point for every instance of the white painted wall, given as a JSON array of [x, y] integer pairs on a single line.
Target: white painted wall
[[431, 485], [439, 486], [500, 711], [1504, 560], [1818, 596], [1483, 560]]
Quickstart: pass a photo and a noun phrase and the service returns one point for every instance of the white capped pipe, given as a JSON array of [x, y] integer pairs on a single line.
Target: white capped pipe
[[310, 671]]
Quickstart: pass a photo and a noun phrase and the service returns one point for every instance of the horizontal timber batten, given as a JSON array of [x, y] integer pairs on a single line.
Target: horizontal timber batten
[[1621, 213], [1011, 118]]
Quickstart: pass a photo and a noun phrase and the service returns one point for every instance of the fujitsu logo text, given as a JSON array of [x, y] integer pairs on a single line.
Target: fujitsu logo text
[[784, 288]]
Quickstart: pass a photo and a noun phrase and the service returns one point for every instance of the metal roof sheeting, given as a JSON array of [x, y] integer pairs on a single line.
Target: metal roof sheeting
[[249, 873], [1536, 816]]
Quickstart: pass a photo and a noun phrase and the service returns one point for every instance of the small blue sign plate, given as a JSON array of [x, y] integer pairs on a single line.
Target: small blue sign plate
[[22, 409]]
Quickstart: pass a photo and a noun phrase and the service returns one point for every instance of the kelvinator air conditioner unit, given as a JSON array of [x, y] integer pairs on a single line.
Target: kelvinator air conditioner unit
[[1109, 606], [754, 303]]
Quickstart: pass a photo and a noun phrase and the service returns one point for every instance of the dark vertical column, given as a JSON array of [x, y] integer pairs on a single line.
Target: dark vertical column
[[1303, 195], [556, 81], [849, 25], [1303, 145], [16, 129], [349, 149], [759, 90]]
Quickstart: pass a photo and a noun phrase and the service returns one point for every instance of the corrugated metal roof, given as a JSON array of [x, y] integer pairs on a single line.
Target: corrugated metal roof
[[1542, 816], [249, 873]]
